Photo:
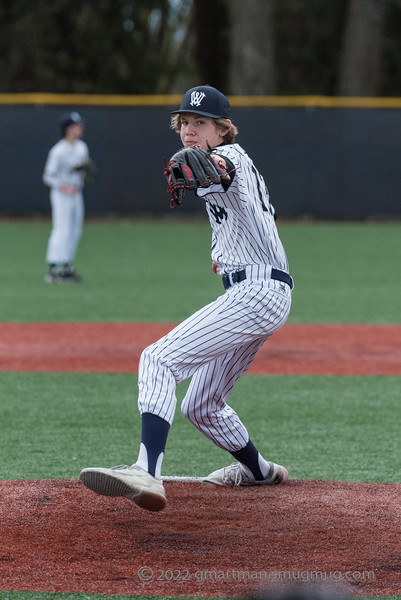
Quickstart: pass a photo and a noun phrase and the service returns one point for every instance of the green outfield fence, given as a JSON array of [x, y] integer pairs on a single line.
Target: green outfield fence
[[322, 157]]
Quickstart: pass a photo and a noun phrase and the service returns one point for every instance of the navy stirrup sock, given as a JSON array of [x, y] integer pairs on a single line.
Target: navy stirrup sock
[[154, 437], [249, 456]]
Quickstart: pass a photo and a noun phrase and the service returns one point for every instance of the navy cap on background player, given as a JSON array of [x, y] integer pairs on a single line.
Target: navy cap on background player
[[205, 100], [70, 118]]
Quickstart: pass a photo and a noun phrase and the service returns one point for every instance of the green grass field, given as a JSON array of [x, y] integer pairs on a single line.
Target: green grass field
[[161, 271], [327, 427], [323, 427]]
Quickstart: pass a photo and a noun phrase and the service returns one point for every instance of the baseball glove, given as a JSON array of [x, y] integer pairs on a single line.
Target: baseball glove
[[189, 169], [88, 168]]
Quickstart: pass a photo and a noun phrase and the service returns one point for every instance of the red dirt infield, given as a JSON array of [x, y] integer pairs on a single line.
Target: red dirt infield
[[57, 536], [116, 347]]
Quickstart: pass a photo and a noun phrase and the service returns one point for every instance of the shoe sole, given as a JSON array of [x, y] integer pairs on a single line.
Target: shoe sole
[[108, 485]]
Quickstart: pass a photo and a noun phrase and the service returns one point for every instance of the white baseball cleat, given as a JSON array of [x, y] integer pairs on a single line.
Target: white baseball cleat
[[234, 475], [131, 482]]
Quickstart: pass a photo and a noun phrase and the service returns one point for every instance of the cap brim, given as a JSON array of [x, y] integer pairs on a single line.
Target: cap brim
[[198, 112]]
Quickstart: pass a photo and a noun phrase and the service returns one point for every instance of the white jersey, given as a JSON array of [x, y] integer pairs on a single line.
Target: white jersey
[[67, 209], [60, 166], [242, 218]]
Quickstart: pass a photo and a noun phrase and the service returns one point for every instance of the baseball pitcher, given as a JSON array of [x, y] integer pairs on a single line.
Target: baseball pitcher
[[217, 344]]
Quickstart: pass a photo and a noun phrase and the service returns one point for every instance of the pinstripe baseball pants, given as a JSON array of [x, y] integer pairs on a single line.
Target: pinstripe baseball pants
[[214, 346]]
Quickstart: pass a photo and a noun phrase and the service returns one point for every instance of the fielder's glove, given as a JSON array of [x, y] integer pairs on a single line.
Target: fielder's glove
[[189, 169], [88, 168]]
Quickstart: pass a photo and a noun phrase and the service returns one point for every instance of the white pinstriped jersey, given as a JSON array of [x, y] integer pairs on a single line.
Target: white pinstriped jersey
[[242, 218], [217, 344]]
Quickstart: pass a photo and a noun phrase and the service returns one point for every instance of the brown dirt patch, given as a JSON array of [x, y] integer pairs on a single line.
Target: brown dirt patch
[[116, 347], [58, 536]]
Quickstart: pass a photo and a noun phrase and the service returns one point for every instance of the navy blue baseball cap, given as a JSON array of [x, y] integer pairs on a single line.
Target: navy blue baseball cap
[[205, 100], [71, 118]]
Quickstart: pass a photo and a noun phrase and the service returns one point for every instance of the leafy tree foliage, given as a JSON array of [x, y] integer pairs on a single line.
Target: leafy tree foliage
[[165, 46], [87, 46]]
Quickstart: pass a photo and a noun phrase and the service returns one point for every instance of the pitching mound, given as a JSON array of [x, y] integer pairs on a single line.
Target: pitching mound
[[58, 536]]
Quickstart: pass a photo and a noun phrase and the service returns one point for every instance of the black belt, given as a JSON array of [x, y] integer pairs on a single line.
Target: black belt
[[237, 276]]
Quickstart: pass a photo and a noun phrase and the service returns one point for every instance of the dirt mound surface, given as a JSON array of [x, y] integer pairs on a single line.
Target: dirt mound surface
[[58, 536]]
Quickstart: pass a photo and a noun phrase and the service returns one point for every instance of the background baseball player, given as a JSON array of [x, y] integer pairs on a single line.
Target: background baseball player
[[67, 166], [216, 345]]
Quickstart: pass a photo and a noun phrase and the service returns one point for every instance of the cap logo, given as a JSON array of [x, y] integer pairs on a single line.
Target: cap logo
[[196, 98]]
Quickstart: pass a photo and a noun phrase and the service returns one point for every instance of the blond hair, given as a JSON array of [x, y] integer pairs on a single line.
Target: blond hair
[[220, 123]]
